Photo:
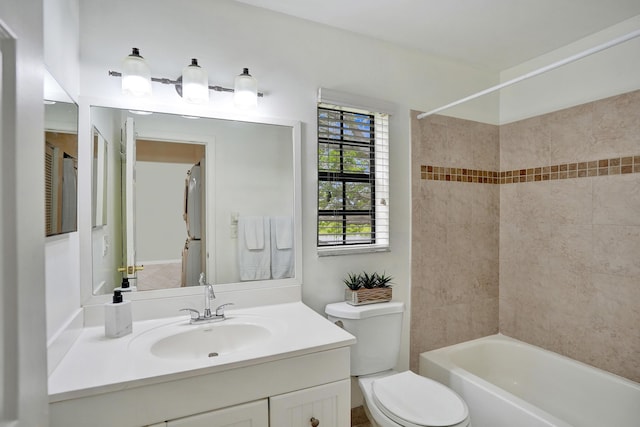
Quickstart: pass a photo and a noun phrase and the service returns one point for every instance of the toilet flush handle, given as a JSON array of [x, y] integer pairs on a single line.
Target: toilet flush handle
[[314, 422]]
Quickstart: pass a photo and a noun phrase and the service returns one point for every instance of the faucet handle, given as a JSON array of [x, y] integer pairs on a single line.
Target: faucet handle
[[220, 308], [195, 314]]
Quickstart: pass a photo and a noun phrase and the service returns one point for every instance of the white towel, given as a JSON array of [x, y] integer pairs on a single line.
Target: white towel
[[253, 230], [282, 250], [254, 264], [283, 231]]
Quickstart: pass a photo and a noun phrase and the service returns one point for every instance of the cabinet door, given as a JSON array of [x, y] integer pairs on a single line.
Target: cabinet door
[[329, 404], [255, 414]]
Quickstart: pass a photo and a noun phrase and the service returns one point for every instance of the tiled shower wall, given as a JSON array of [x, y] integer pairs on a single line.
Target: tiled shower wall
[[570, 248], [569, 245], [454, 294]]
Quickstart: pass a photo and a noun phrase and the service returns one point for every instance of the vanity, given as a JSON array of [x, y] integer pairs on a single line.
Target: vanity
[[272, 361], [297, 372]]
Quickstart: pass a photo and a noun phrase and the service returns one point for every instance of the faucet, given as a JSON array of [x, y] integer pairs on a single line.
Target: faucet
[[209, 295], [207, 317]]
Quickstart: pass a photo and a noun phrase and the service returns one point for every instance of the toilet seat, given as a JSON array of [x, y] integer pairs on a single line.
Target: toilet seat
[[415, 401]]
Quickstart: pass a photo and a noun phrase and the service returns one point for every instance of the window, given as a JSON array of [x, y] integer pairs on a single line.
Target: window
[[353, 180]]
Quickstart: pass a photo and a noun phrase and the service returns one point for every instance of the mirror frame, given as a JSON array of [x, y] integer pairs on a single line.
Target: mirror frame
[[85, 169]]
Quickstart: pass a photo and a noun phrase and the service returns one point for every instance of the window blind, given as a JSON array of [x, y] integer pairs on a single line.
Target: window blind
[[353, 178]]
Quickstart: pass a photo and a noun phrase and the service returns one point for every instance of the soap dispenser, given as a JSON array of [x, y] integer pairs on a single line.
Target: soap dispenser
[[117, 316]]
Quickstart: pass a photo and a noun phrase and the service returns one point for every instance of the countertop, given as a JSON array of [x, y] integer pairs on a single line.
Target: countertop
[[96, 364]]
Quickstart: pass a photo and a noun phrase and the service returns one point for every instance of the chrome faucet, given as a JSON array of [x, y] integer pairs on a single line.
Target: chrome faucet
[[209, 295]]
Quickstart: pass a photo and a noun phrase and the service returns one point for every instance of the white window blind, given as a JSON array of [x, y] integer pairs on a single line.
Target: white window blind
[[353, 180]]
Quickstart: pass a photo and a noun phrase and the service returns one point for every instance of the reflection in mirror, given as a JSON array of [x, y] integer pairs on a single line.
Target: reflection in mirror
[[61, 159], [206, 195], [99, 191]]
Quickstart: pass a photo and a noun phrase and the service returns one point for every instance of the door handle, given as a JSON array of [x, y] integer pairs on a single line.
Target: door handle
[[131, 269]]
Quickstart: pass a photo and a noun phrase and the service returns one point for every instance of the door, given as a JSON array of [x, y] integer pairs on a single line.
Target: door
[[129, 268], [328, 405]]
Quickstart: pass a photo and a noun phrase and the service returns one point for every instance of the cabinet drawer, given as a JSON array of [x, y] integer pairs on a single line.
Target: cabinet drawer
[[329, 404], [254, 414]]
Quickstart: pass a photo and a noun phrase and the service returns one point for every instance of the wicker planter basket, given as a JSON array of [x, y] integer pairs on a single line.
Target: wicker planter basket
[[367, 296]]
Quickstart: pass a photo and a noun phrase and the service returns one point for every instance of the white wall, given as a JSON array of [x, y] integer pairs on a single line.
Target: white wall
[[61, 43], [23, 373], [291, 58], [607, 73], [160, 229]]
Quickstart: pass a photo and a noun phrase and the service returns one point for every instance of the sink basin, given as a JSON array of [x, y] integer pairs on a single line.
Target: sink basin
[[210, 341], [178, 341]]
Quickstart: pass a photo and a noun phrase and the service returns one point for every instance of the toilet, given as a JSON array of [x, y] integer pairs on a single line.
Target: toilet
[[393, 399]]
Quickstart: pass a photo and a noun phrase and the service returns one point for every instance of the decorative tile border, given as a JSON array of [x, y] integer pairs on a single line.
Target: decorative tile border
[[615, 166], [438, 173]]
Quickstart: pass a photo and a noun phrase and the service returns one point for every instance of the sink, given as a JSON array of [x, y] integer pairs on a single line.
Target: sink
[[180, 341], [210, 341]]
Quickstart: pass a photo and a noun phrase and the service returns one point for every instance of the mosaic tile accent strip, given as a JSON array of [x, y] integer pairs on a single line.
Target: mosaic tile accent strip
[[438, 173], [615, 166]]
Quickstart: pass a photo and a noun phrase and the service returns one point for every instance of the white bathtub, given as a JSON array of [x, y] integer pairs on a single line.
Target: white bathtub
[[508, 383]]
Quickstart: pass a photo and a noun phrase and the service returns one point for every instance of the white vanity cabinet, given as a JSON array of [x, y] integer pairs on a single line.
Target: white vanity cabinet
[[296, 388], [302, 371], [328, 404], [254, 414]]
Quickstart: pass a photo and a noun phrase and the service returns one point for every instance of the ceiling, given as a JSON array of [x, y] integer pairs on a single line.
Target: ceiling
[[491, 34]]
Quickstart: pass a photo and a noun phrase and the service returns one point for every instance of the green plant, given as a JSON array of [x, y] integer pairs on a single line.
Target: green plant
[[353, 281], [369, 281], [383, 281]]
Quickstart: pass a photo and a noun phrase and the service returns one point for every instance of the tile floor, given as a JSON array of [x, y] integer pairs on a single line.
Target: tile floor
[[359, 418]]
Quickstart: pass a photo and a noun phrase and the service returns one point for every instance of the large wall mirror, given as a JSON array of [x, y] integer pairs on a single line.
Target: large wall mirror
[[177, 196], [61, 159]]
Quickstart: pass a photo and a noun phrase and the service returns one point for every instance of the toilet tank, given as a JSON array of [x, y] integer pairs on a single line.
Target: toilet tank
[[377, 328]]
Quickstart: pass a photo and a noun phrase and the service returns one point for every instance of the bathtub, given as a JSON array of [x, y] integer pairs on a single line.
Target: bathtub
[[508, 383]]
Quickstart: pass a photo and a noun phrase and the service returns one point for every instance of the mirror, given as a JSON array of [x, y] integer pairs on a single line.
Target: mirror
[[61, 159], [192, 195]]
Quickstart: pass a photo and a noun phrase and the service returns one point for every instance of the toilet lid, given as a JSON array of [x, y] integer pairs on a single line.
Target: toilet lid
[[413, 400]]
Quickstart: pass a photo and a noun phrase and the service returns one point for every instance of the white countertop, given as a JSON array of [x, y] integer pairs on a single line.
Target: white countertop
[[96, 364]]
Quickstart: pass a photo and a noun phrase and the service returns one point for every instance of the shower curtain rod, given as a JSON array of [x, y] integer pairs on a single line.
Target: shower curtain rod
[[572, 58]]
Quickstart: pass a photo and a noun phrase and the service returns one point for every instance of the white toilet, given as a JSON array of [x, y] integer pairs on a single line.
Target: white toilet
[[393, 399]]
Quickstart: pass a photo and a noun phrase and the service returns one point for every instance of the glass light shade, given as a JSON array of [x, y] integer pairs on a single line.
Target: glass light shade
[[195, 84], [245, 90], [136, 75]]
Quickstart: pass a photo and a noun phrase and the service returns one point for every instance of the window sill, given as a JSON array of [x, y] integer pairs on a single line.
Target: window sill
[[351, 250]]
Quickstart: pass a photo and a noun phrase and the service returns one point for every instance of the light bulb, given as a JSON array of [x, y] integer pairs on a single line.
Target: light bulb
[[245, 90], [136, 75], [195, 84]]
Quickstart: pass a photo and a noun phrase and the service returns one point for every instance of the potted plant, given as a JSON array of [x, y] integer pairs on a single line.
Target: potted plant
[[365, 288]]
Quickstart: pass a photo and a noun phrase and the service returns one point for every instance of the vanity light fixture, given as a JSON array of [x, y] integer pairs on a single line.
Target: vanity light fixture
[[192, 85], [245, 90], [195, 83], [136, 75]]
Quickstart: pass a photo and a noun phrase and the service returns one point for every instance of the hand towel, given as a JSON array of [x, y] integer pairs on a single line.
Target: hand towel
[[254, 264], [252, 227], [282, 250], [283, 232]]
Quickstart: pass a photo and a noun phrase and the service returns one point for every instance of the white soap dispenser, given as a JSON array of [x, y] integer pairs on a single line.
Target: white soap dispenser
[[117, 317]]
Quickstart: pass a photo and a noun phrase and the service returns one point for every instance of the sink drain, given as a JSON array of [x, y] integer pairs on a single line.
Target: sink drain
[[213, 354]]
